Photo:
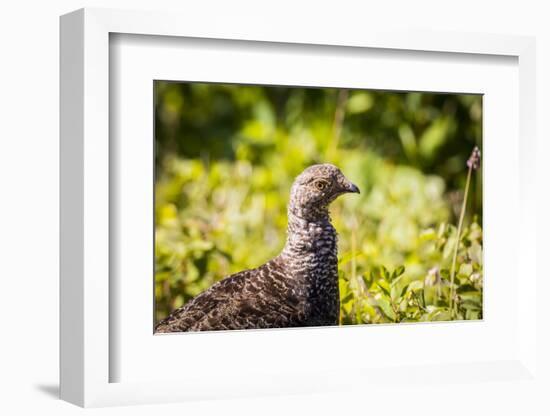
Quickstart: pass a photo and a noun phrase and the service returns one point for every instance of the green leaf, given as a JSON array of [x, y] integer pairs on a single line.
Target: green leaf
[[347, 298], [434, 137], [466, 288], [367, 278], [465, 269], [437, 314], [473, 314], [385, 306], [416, 285], [359, 102], [398, 272], [384, 273], [384, 290], [403, 290], [470, 305], [471, 296]]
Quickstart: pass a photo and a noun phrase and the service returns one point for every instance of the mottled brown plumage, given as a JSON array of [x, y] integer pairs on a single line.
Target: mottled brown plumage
[[297, 288]]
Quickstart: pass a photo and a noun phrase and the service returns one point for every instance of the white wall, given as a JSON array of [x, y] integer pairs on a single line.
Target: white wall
[[29, 186]]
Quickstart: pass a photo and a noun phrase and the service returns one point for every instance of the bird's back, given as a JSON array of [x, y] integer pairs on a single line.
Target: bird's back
[[265, 297]]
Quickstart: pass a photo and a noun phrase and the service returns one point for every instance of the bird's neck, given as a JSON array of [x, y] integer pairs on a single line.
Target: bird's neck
[[309, 235]]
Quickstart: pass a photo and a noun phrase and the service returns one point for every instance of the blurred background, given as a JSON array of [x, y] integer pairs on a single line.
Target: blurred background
[[226, 156]]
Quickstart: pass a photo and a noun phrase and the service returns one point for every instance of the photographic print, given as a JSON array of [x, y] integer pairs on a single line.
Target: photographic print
[[285, 207]]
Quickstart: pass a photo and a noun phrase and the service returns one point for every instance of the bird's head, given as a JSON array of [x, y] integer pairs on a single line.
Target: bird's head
[[315, 188]]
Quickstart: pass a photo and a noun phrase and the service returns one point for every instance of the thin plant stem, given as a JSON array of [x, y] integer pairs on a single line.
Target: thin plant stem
[[353, 249], [452, 303], [339, 115], [357, 282]]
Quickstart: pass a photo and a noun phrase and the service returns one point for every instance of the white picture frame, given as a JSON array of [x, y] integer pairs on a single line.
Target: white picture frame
[[87, 355]]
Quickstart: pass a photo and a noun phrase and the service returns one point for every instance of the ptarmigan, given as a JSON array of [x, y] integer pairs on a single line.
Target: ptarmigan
[[297, 288]]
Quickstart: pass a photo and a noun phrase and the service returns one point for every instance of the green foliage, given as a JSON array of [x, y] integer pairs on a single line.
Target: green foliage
[[377, 295], [227, 155]]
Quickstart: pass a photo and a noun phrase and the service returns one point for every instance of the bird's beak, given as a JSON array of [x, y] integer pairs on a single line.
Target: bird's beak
[[350, 187]]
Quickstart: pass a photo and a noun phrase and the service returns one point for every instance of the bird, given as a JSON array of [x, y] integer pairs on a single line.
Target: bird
[[297, 288]]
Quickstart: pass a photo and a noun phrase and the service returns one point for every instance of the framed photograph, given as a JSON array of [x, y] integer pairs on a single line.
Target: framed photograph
[[232, 251], [276, 213]]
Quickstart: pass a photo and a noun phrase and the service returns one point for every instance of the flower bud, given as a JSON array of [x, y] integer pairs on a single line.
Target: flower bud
[[475, 158]]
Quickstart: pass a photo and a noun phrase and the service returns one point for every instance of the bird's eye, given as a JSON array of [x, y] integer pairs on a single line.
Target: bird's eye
[[320, 185]]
